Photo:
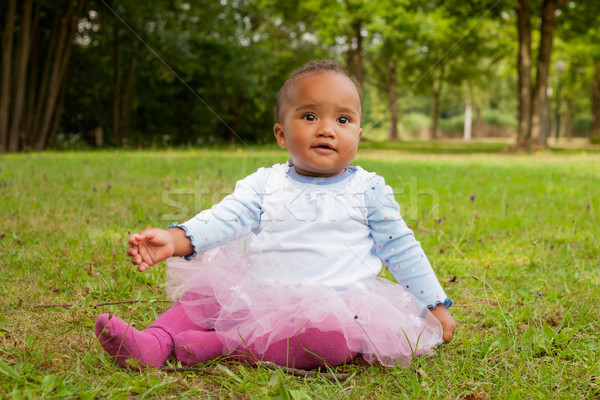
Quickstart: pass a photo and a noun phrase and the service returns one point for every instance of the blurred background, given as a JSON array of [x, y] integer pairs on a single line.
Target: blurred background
[[138, 74]]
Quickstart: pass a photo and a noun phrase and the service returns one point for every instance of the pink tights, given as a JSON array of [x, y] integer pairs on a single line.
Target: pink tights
[[194, 344], [311, 349]]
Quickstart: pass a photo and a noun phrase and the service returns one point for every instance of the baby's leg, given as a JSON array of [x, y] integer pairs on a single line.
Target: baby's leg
[[151, 347], [194, 347], [310, 349]]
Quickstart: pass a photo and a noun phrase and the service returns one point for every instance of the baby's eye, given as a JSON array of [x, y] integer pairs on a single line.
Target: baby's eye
[[309, 117], [344, 120]]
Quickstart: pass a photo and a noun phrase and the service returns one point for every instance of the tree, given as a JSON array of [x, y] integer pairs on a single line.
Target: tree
[[52, 79], [30, 98], [581, 34], [5, 72], [21, 62], [390, 32], [342, 24], [524, 70], [533, 109], [453, 46], [194, 82], [430, 66], [124, 68]]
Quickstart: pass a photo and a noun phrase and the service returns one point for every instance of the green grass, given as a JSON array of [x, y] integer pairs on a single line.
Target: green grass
[[514, 238]]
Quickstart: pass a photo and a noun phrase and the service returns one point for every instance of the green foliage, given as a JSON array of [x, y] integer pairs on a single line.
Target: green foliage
[[499, 118], [513, 238], [454, 124], [494, 118], [208, 72], [415, 121], [582, 124]]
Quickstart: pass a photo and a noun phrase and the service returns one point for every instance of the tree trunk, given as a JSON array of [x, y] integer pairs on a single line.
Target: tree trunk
[[354, 56], [33, 81], [234, 119], [569, 120], [478, 127], [5, 72], [436, 91], [358, 67], [116, 103], [435, 113], [61, 58], [524, 66], [468, 120], [41, 83], [59, 107], [21, 70], [57, 115], [127, 104], [393, 99], [539, 112], [595, 122]]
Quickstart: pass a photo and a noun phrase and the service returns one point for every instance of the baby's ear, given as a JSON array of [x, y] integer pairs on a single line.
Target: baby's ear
[[279, 135]]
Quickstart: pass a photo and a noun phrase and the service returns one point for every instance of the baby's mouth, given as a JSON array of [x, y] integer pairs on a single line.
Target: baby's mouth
[[323, 147]]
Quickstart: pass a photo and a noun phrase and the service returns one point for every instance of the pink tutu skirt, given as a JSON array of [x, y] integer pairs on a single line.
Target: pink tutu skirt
[[254, 301]]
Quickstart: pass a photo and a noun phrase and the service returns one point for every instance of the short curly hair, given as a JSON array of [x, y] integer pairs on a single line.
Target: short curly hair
[[315, 67]]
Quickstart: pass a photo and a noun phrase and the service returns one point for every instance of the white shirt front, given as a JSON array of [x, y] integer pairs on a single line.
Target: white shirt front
[[319, 233]]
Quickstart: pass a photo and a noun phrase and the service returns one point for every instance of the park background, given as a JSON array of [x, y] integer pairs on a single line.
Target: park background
[[84, 74], [118, 115]]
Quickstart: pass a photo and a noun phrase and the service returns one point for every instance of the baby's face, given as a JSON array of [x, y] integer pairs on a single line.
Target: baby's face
[[320, 127]]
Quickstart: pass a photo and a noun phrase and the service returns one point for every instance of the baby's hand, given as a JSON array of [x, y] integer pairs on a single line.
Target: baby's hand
[[150, 247], [448, 323]]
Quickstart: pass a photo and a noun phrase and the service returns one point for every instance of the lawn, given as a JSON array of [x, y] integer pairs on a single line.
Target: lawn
[[513, 238]]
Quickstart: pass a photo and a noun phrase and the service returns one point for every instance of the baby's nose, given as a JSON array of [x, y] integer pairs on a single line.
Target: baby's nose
[[326, 128]]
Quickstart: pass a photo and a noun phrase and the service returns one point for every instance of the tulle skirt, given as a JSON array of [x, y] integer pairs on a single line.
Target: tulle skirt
[[254, 302]]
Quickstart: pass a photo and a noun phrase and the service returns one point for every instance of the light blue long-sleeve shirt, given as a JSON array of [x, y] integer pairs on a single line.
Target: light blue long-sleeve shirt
[[394, 242]]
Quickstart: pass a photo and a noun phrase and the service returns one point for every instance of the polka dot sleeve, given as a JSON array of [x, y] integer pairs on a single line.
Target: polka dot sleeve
[[396, 246], [231, 218]]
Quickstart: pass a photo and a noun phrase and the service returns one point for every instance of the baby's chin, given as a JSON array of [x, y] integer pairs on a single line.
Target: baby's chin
[[320, 173]]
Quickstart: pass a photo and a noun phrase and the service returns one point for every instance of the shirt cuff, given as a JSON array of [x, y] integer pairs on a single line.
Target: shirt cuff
[[447, 303]]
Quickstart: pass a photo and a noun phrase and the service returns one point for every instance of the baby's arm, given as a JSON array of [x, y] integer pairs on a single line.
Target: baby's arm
[[397, 248], [234, 215], [154, 245], [230, 219]]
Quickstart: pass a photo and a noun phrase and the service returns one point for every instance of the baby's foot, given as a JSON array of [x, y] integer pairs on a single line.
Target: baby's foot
[[194, 347], [131, 347]]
